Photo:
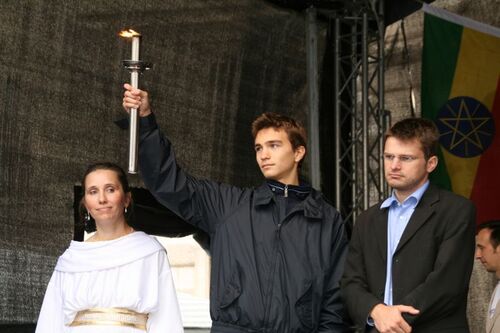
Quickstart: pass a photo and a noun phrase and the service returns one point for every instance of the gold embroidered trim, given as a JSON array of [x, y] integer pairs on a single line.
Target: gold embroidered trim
[[111, 316]]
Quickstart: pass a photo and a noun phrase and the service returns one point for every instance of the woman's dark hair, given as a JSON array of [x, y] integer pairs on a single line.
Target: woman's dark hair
[[89, 224]]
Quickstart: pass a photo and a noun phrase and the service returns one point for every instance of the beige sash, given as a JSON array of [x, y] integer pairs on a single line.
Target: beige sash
[[111, 316]]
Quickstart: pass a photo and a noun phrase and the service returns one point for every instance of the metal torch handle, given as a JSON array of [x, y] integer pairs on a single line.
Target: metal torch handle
[[134, 130]]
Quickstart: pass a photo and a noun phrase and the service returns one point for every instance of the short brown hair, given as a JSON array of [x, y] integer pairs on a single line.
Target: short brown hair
[[295, 131], [423, 130], [494, 226]]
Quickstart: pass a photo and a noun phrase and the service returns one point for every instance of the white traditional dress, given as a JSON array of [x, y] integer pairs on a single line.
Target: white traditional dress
[[129, 276]]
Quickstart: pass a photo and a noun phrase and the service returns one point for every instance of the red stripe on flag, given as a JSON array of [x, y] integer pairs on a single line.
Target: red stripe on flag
[[486, 189]]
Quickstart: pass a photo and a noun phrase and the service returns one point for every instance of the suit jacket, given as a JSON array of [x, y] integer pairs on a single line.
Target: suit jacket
[[431, 266], [493, 323]]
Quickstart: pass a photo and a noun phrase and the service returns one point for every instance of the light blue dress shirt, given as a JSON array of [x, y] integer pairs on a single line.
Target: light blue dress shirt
[[399, 216]]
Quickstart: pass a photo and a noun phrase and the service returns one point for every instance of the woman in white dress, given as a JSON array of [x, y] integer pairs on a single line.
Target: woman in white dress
[[119, 280]]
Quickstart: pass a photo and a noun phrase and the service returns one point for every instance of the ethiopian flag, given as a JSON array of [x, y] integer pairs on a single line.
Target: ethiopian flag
[[461, 94]]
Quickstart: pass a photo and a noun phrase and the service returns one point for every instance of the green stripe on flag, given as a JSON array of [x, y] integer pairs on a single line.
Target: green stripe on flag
[[438, 69]]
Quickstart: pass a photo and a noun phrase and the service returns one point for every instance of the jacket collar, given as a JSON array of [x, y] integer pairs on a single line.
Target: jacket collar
[[420, 215], [299, 192], [423, 211], [312, 205]]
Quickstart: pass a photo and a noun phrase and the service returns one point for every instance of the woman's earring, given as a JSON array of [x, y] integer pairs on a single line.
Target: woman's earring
[[125, 210], [86, 220]]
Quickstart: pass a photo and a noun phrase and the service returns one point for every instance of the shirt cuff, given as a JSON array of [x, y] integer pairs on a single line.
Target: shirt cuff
[[146, 124]]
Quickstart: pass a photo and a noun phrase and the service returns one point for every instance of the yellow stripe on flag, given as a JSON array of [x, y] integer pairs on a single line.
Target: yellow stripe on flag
[[476, 76]]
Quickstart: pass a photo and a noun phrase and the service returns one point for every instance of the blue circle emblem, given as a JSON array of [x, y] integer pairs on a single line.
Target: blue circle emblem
[[466, 126]]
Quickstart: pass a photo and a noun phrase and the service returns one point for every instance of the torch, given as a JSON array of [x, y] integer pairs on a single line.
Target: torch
[[135, 67]]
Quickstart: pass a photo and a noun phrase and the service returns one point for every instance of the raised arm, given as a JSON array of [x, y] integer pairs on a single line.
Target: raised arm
[[202, 203]]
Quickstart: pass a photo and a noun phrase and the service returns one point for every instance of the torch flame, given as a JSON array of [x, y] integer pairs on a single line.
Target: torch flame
[[129, 33]]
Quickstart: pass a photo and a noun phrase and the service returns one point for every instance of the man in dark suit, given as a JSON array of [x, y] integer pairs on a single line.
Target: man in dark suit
[[410, 256]]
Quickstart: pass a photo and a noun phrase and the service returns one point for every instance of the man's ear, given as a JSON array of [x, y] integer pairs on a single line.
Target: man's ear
[[300, 151], [432, 163]]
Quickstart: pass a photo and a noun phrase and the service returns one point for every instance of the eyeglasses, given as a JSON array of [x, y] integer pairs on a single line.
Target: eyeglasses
[[401, 158]]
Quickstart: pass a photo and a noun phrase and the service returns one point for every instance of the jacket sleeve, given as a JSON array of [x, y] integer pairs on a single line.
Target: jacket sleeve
[[355, 291], [167, 316], [199, 202], [51, 317], [446, 286], [333, 317]]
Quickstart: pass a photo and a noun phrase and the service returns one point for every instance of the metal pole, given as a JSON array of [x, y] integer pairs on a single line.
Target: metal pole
[[134, 130], [312, 80], [387, 124], [364, 106], [135, 67], [354, 120], [337, 110], [381, 86], [134, 115]]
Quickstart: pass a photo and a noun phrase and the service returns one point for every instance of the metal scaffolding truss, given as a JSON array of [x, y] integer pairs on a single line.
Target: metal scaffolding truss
[[360, 120], [357, 36]]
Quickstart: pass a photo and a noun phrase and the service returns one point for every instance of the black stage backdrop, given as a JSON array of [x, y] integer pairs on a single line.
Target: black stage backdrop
[[217, 64]]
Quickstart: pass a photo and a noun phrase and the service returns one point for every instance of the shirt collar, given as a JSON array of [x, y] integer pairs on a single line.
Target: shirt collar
[[313, 204], [412, 199], [300, 192]]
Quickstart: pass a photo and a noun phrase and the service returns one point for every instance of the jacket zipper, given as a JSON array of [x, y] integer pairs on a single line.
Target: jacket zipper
[[267, 318], [276, 252]]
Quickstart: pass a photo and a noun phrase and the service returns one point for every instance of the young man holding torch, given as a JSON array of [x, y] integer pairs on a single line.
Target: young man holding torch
[[277, 250]]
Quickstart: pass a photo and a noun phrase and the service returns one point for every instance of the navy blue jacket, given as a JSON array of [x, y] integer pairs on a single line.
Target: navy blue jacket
[[273, 269]]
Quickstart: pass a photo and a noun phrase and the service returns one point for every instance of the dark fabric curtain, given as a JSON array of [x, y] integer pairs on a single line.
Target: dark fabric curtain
[[217, 64]]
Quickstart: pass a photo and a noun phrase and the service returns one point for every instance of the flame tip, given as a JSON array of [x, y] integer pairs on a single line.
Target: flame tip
[[129, 33]]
